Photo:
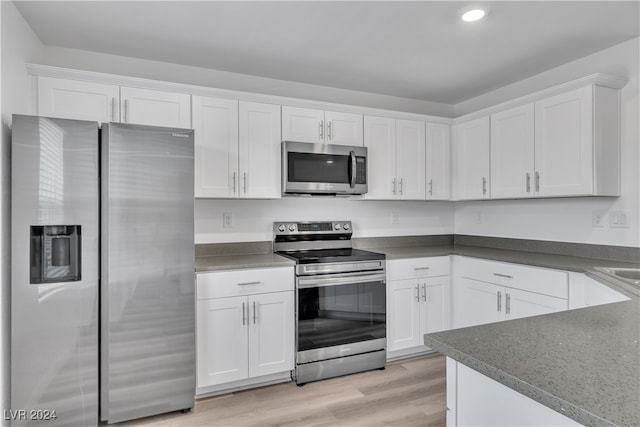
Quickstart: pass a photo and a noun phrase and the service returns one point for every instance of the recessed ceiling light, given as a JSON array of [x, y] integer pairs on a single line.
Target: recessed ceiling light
[[473, 15]]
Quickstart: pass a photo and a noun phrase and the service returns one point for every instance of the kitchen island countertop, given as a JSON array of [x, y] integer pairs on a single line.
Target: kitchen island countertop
[[583, 363]]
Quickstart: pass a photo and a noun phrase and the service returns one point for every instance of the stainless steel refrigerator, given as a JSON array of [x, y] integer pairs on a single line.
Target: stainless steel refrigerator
[[102, 296]]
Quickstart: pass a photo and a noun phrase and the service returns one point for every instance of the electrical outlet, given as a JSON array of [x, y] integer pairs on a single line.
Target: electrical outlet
[[227, 220], [597, 218], [395, 218], [619, 219]]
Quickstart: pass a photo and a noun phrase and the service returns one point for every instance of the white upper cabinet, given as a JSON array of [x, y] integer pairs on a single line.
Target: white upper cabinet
[[512, 153], [564, 145], [155, 108], [330, 127], [215, 122], [471, 160], [438, 161], [74, 99], [259, 149], [577, 143], [410, 159], [237, 148], [396, 157]]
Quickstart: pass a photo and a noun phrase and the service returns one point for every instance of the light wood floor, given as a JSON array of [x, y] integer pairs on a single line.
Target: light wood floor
[[407, 393]]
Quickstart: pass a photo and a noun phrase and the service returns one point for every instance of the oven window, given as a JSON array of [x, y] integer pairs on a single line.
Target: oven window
[[326, 168], [343, 314]]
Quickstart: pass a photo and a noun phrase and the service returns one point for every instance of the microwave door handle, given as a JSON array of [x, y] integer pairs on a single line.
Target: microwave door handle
[[352, 157]]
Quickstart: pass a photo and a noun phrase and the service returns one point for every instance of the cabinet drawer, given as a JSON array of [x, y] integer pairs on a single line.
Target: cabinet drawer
[[417, 267], [244, 282], [533, 279]]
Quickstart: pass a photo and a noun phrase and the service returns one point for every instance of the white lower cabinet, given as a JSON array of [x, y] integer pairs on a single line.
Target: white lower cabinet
[[249, 335], [587, 292], [417, 301], [474, 399], [489, 291]]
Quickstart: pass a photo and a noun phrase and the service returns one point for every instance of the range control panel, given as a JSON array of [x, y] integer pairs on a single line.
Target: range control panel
[[311, 228]]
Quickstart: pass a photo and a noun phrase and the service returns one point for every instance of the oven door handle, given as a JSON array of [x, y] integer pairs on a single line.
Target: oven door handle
[[339, 279]]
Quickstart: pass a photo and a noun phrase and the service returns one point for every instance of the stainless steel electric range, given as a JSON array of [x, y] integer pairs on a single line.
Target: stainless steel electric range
[[340, 300]]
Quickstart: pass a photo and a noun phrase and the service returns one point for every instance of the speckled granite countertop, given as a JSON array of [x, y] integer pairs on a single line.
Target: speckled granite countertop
[[582, 363]]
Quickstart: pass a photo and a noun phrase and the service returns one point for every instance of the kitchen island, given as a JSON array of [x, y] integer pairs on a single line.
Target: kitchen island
[[584, 363]]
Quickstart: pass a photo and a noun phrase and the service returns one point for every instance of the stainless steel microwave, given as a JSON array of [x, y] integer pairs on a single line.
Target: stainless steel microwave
[[323, 169]]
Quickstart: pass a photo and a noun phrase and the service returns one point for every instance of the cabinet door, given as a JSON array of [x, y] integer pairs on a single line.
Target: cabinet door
[[73, 99], [215, 122], [438, 155], [155, 107], [410, 159], [380, 140], [259, 148], [520, 303], [512, 153], [271, 333], [222, 333], [403, 314], [436, 304], [302, 124], [471, 159], [343, 128], [477, 302], [564, 144]]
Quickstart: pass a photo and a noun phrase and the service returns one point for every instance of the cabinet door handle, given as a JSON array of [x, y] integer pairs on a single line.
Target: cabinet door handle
[[254, 312], [508, 308], [528, 182], [484, 185], [113, 109], [506, 276], [418, 292], [329, 130], [321, 129], [243, 318], [537, 181], [248, 283], [424, 292], [431, 187], [126, 111], [245, 182], [394, 186], [499, 301], [401, 186]]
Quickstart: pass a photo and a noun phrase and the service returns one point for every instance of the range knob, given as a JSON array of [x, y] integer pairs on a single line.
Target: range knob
[[336, 226], [281, 228], [346, 226], [292, 227]]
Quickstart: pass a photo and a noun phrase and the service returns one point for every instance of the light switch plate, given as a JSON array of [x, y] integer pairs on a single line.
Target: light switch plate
[[597, 218], [619, 219]]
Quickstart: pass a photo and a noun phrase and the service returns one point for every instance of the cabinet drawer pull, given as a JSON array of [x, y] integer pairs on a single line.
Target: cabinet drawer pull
[[422, 268], [499, 301], [248, 283], [506, 276]]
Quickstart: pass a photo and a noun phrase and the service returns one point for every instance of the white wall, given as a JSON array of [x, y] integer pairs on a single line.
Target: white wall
[[253, 219], [19, 45], [568, 220]]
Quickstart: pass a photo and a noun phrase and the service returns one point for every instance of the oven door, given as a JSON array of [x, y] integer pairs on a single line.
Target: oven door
[[340, 315], [323, 169]]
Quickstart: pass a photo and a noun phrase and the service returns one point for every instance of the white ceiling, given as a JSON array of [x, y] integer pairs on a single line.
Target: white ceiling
[[414, 49]]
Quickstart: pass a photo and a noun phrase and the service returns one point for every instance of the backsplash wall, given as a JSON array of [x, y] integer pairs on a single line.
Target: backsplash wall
[[252, 220]]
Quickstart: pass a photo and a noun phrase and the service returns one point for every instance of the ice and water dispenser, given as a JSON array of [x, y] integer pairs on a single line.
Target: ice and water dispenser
[[55, 253]]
